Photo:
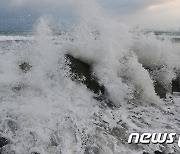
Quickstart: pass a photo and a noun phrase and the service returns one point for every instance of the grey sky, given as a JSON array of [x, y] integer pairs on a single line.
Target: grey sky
[[128, 6], [22, 14]]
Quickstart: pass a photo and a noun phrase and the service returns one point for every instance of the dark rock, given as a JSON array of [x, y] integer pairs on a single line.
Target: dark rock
[[158, 152], [3, 142], [35, 153], [160, 90], [25, 67], [54, 141], [176, 85], [90, 150], [82, 72], [146, 153], [18, 87]]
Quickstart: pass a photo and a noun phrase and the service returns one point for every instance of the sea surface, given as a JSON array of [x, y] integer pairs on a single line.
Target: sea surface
[[43, 110]]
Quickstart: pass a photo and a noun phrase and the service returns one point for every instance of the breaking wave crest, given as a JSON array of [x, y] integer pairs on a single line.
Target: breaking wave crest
[[43, 110]]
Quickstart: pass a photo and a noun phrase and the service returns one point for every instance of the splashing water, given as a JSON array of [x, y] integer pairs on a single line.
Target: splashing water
[[44, 111]]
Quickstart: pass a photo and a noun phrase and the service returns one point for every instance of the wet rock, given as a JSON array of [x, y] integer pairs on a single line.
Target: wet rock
[[54, 141], [155, 152], [82, 72], [160, 90], [176, 84], [3, 142], [25, 67], [18, 87], [159, 87], [94, 150], [146, 153], [158, 152]]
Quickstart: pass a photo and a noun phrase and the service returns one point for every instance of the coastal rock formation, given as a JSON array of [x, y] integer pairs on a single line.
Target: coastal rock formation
[[25, 67], [176, 84], [160, 89], [3, 142], [82, 72]]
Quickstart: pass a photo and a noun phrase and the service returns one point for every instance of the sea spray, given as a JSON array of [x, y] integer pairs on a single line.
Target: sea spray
[[53, 114]]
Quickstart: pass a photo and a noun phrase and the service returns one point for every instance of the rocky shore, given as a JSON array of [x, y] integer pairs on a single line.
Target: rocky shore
[[82, 72]]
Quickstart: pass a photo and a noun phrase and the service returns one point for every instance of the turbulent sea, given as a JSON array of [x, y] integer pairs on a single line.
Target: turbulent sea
[[42, 110]]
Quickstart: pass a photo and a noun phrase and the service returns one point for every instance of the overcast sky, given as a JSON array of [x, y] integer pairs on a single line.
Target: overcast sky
[[153, 14]]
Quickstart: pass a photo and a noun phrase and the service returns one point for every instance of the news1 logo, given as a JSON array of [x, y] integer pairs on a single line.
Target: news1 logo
[[155, 138]]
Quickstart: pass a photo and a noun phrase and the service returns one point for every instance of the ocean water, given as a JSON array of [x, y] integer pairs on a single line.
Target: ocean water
[[52, 114]]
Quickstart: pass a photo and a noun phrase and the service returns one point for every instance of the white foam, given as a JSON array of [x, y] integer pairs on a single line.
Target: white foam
[[53, 114], [15, 38]]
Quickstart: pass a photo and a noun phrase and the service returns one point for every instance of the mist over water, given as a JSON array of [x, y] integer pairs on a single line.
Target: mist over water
[[51, 113]]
